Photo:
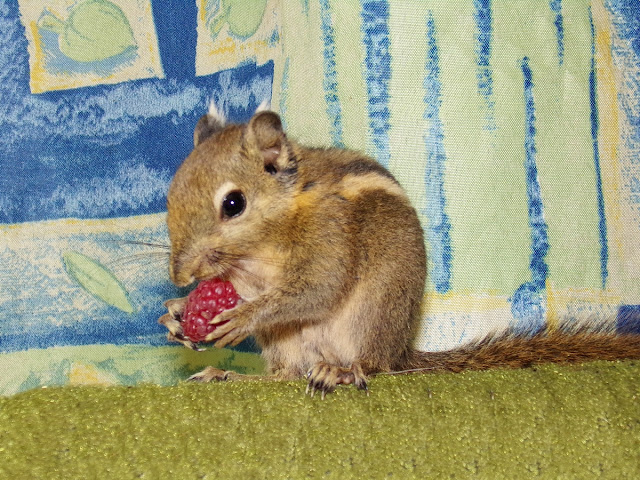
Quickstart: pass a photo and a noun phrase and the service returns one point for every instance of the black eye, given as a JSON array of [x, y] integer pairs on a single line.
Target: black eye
[[233, 204], [270, 169]]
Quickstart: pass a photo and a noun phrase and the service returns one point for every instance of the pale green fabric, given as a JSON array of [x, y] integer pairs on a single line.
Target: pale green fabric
[[439, 77]]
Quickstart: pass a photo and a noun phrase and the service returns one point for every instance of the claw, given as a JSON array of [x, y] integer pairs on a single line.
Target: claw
[[223, 317], [325, 378], [175, 331], [175, 306], [172, 320], [184, 341]]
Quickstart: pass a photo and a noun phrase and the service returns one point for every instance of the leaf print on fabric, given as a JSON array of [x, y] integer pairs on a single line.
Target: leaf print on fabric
[[97, 280], [243, 21], [95, 30]]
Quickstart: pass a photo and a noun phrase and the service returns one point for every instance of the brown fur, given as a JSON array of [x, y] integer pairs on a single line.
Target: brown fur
[[329, 257], [521, 351]]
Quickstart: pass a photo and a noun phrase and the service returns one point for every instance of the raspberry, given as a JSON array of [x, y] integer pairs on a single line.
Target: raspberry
[[206, 301]]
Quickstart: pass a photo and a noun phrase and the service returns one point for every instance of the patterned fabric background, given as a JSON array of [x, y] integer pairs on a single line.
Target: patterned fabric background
[[514, 126]]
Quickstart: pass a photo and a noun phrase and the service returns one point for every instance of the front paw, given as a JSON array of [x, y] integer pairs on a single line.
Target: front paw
[[173, 321], [232, 326]]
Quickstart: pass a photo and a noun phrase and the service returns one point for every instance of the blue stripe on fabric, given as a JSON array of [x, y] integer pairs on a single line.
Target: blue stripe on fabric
[[527, 305], [330, 80], [305, 7], [556, 7], [628, 319], [375, 31], [625, 18], [602, 223], [484, 73], [626, 21], [439, 226]]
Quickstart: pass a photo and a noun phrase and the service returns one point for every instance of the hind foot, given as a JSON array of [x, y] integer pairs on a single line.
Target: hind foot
[[212, 374], [324, 378]]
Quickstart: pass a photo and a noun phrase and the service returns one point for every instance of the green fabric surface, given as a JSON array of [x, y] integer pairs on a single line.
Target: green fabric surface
[[549, 422]]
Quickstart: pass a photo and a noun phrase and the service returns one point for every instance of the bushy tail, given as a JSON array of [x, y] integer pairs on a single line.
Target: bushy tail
[[511, 350]]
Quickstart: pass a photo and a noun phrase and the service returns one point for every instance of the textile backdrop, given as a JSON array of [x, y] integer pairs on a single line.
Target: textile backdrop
[[514, 126]]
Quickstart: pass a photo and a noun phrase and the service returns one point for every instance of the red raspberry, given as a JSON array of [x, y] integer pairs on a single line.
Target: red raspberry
[[206, 301]]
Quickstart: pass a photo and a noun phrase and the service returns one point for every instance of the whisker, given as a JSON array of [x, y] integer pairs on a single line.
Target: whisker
[[228, 251], [140, 258], [223, 259], [144, 244], [252, 258], [253, 275]]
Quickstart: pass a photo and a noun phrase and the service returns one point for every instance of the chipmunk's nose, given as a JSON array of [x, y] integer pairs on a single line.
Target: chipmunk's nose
[[180, 275]]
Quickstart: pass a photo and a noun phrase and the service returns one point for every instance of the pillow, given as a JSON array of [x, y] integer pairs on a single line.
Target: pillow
[[513, 125]]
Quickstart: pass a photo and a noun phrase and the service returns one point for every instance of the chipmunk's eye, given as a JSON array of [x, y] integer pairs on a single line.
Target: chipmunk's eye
[[233, 204]]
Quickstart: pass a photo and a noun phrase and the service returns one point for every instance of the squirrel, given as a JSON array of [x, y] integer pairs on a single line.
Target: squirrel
[[328, 254]]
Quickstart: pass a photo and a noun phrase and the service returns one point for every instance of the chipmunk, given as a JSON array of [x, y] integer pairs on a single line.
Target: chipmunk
[[327, 252]]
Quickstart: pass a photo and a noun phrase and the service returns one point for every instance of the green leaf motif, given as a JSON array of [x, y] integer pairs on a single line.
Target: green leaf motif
[[244, 17], [95, 30], [97, 280]]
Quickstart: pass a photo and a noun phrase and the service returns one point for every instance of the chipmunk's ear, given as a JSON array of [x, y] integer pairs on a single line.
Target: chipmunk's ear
[[208, 124], [265, 134]]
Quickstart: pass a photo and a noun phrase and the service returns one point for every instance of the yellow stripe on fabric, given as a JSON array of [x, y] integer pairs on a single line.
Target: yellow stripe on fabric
[[306, 113], [349, 62], [608, 138], [582, 305], [58, 229]]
